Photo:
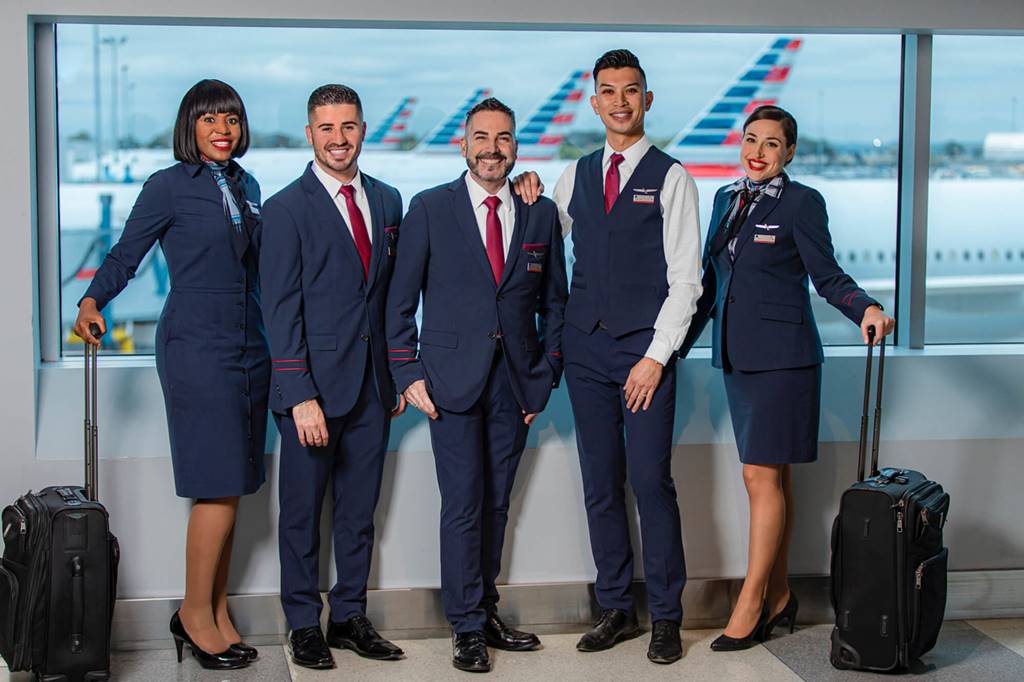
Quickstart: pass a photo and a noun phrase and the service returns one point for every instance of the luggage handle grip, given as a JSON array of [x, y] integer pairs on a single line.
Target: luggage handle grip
[[91, 428], [877, 422]]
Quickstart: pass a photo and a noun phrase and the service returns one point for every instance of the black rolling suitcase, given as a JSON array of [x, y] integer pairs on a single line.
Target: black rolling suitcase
[[58, 575], [888, 559]]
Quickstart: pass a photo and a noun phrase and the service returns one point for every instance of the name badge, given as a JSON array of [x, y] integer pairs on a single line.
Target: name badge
[[535, 267], [764, 238], [643, 198]]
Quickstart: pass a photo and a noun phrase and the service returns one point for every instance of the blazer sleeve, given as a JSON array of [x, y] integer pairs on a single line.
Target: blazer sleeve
[[281, 293], [709, 289], [404, 297], [150, 217], [553, 297], [814, 244]]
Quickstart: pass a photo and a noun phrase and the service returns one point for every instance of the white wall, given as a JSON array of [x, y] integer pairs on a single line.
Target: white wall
[[953, 413]]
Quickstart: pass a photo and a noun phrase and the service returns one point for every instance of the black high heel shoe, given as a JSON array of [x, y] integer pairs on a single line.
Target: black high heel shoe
[[225, 660], [726, 643], [788, 613], [247, 652]]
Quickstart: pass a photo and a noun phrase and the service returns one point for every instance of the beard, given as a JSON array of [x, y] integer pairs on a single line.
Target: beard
[[502, 172], [340, 166]]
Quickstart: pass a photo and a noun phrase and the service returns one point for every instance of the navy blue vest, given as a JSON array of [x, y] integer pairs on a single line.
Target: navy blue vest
[[619, 270]]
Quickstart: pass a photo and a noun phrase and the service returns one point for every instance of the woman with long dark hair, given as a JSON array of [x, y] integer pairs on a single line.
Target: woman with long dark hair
[[211, 350], [767, 235]]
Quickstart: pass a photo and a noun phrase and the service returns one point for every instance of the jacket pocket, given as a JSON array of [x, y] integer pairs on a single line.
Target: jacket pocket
[[929, 603], [781, 312], [432, 337], [322, 341]]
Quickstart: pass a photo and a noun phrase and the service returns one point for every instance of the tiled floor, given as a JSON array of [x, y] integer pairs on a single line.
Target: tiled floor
[[967, 650]]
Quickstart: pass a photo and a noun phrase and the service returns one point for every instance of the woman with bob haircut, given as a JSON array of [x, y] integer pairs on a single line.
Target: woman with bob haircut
[[767, 235], [211, 349]]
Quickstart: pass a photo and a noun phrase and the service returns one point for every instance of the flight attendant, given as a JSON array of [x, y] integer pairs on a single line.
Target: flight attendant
[[632, 210], [211, 350], [767, 234]]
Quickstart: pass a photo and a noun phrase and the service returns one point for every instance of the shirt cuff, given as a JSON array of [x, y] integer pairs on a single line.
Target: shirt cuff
[[659, 351]]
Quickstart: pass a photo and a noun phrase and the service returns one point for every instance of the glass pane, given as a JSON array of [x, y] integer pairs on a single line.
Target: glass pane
[[975, 285], [119, 88]]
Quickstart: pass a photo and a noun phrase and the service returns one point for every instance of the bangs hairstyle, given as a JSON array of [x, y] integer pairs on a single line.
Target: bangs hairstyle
[[770, 112], [618, 59], [208, 96], [491, 104]]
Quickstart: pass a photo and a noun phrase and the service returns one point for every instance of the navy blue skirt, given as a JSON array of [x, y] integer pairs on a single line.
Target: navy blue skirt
[[775, 414]]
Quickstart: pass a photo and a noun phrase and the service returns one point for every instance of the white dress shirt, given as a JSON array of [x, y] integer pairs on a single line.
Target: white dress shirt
[[506, 211], [333, 187], [681, 242]]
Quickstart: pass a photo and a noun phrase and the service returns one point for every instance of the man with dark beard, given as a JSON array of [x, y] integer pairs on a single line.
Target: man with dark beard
[[491, 272], [329, 241]]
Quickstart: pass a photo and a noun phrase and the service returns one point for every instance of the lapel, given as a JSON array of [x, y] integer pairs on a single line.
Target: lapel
[[515, 247], [328, 217], [763, 209], [375, 199], [466, 218]]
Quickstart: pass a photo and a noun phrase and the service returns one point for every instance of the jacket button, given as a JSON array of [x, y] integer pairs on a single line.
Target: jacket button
[[364, 337], [499, 297], [731, 299], [490, 335]]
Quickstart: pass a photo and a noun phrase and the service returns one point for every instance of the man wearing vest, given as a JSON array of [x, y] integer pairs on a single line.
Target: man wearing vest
[[632, 211], [489, 268], [329, 244]]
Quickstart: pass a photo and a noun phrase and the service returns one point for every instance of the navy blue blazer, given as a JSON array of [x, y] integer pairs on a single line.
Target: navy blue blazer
[[319, 312], [763, 292], [465, 314]]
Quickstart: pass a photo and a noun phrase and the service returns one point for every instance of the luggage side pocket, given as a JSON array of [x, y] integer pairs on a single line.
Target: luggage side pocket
[[929, 603], [836, 569], [115, 560], [8, 611]]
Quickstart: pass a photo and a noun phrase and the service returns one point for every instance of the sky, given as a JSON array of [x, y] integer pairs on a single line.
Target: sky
[[844, 88]]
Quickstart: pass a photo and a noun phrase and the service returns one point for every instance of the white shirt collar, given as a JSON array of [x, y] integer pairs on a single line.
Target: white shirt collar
[[632, 154], [333, 184], [478, 194]]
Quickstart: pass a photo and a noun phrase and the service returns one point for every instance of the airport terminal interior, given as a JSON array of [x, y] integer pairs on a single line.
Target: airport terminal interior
[[911, 128]]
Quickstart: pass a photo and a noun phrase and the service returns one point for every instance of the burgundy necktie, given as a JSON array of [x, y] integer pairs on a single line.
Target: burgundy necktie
[[611, 181], [358, 225], [495, 247]]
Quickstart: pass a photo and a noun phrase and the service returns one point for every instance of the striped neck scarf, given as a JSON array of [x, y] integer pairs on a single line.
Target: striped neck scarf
[[219, 171]]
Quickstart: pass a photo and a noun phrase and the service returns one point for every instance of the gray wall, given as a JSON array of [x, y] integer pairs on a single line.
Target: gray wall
[[955, 413]]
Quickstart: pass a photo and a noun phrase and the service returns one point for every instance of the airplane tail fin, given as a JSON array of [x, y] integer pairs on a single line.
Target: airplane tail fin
[[544, 131], [389, 134], [445, 138], [709, 145]]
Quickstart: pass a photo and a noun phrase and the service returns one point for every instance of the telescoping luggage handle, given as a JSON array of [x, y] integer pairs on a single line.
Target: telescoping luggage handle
[[877, 426], [91, 425]]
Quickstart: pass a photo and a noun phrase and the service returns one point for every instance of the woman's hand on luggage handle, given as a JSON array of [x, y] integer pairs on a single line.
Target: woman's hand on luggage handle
[[528, 186], [399, 408], [641, 384], [87, 315], [417, 394], [310, 423], [874, 317]]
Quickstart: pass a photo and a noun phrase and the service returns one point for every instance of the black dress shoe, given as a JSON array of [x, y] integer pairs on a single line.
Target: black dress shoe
[[726, 643], [225, 660], [242, 649], [358, 634], [614, 626], [666, 645], [788, 614], [501, 636], [469, 652], [308, 648]]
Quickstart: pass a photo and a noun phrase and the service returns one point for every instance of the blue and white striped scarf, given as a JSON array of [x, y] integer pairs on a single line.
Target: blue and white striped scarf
[[772, 188], [219, 172]]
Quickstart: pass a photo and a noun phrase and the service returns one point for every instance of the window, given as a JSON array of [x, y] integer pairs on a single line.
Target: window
[[119, 88], [977, 180]]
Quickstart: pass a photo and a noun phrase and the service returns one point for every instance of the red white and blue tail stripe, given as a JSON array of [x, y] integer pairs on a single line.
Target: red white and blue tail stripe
[[445, 138], [709, 146], [390, 133], [544, 131]]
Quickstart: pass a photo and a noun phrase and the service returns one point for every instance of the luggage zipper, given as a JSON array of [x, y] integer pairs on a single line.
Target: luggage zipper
[[924, 505]]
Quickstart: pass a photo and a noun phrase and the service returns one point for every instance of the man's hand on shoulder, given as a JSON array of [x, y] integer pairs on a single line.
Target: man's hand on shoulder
[[528, 186]]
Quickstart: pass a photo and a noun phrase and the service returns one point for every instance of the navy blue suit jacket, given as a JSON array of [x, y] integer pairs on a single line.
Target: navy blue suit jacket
[[763, 293], [319, 312], [465, 313]]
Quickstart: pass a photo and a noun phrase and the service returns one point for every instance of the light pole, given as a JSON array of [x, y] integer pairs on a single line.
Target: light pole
[[97, 113], [114, 43]]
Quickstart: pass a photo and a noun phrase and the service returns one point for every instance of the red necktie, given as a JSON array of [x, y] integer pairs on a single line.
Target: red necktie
[[495, 247], [358, 225], [611, 181]]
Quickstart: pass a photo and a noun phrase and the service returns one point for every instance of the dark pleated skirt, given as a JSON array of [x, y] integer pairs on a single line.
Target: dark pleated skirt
[[775, 414]]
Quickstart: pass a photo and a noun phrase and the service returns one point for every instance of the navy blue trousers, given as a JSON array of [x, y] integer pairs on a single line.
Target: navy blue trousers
[[614, 442], [476, 454], [353, 460]]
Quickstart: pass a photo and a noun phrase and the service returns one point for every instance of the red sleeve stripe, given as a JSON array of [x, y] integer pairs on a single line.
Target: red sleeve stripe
[[848, 299], [287, 360], [556, 354], [289, 369]]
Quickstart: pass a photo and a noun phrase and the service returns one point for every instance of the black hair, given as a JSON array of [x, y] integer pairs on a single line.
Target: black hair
[[491, 104], [770, 112], [618, 59], [208, 96], [333, 93]]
